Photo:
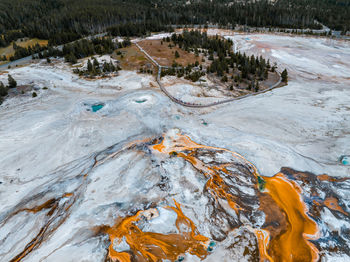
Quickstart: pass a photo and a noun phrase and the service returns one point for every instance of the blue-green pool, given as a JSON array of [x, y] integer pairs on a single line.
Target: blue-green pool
[[140, 101], [96, 107], [345, 160], [211, 246]]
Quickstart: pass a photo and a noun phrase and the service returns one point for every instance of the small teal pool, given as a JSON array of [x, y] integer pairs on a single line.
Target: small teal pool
[[97, 107], [345, 160], [140, 101], [211, 246]]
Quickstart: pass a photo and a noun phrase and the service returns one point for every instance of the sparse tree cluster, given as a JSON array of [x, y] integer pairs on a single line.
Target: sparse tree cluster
[[191, 72], [25, 51], [71, 52], [95, 68], [230, 67], [83, 48], [146, 70]]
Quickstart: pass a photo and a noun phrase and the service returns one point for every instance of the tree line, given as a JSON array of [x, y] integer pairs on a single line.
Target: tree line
[[62, 21], [84, 48]]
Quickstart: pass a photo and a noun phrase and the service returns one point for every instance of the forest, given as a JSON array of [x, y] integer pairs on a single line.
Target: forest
[[63, 21]]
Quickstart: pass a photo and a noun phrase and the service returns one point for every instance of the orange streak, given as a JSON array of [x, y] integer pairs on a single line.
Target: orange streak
[[332, 179], [332, 203], [263, 242], [215, 185], [293, 245], [155, 246], [289, 245], [159, 147]]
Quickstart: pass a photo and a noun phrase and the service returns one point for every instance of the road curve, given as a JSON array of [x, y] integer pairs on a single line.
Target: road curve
[[178, 101]]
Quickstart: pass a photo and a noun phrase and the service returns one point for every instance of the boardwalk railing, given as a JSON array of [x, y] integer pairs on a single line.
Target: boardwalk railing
[[187, 104]]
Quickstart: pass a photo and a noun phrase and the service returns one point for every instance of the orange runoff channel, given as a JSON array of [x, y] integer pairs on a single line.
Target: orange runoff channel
[[294, 244]]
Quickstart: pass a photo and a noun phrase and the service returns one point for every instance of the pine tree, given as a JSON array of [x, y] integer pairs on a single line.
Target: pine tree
[[266, 74], [12, 82], [177, 55], [252, 85], [96, 63], [3, 89], [284, 76], [224, 78], [112, 66], [89, 66], [106, 67], [257, 87], [71, 58]]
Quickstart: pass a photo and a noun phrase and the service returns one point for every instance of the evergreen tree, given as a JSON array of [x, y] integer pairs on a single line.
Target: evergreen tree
[[284, 76], [3, 89], [252, 85], [177, 55], [70, 58], [266, 74], [89, 66], [12, 82], [106, 67], [96, 63], [257, 87]]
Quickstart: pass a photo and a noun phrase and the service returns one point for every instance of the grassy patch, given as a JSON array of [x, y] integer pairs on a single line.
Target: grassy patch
[[131, 58], [165, 55], [9, 51]]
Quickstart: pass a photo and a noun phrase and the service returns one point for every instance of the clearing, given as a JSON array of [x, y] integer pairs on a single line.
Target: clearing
[[131, 58], [165, 55]]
